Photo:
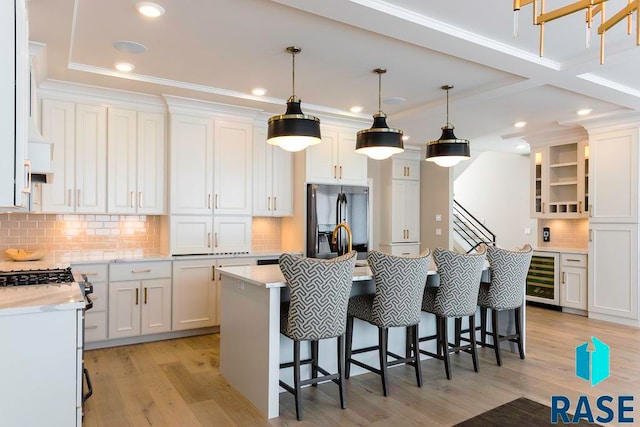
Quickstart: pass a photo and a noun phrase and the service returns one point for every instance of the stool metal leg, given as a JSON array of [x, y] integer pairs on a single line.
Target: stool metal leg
[[483, 326], [496, 336], [382, 343], [445, 345], [341, 356], [518, 316], [347, 369], [296, 379], [472, 341], [314, 361], [416, 353]]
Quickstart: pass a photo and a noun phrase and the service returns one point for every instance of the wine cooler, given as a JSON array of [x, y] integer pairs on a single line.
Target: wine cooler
[[543, 278]]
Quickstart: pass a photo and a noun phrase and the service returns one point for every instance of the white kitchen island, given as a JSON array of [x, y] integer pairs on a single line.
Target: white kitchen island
[[252, 348]]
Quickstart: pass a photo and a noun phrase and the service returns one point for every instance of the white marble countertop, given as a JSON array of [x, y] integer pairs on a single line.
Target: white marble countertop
[[563, 250], [37, 298]]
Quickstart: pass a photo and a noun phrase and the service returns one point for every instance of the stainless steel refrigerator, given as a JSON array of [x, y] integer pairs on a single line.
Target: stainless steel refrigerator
[[331, 205]]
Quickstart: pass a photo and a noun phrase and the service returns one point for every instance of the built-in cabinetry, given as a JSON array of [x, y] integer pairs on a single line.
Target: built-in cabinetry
[[78, 133], [334, 161], [400, 220], [95, 319], [573, 281], [14, 104], [139, 298], [560, 179], [136, 162], [272, 177], [210, 175], [613, 224]]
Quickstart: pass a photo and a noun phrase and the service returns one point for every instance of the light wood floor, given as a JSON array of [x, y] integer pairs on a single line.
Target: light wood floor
[[177, 382]]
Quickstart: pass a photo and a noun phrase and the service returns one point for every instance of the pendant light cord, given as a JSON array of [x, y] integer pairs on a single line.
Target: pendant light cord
[[448, 107], [379, 92], [293, 74]]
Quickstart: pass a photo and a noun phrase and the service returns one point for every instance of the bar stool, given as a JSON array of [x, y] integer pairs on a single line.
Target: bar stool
[[400, 282], [456, 297], [319, 294], [505, 292]]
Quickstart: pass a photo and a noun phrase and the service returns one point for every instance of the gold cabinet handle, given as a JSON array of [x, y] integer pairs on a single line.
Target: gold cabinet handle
[[340, 171], [275, 203], [27, 176], [90, 326], [564, 277], [213, 273], [130, 199], [145, 295], [408, 171], [591, 235], [140, 199], [268, 203], [69, 197], [216, 200], [93, 273], [78, 198], [209, 201], [590, 210], [144, 270], [215, 240], [208, 240], [580, 206], [335, 171], [137, 296], [543, 207]]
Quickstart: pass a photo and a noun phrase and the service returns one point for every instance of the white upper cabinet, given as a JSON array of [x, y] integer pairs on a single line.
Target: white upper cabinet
[[272, 178], [334, 161], [79, 136], [14, 104], [233, 143], [191, 162], [405, 211], [408, 169], [613, 175], [136, 160]]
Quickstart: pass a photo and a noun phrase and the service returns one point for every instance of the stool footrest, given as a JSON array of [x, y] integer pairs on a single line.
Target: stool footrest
[[291, 364]]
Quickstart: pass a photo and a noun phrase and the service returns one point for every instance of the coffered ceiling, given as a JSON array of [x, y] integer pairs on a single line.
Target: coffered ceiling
[[219, 50]]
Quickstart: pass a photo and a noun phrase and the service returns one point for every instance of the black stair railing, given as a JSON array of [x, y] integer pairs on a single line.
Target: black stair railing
[[470, 229]]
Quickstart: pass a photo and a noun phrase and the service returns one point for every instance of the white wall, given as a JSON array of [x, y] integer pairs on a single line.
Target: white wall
[[496, 188]]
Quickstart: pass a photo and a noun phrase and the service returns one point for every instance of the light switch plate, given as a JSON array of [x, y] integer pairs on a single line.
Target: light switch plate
[[438, 232], [527, 231], [438, 217]]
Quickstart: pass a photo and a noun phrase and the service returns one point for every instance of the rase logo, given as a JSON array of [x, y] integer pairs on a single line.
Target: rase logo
[[592, 366]]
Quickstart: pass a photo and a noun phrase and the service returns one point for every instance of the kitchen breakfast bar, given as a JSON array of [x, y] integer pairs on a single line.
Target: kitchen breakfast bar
[[252, 348]]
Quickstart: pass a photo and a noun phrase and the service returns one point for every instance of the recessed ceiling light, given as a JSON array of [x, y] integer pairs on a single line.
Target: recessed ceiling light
[[124, 67], [520, 124], [259, 91], [394, 100], [356, 109], [150, 9], [584, 111], [130, 47], [405, 137]]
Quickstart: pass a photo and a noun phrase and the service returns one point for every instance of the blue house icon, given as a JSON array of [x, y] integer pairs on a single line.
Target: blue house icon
[[592, 365]]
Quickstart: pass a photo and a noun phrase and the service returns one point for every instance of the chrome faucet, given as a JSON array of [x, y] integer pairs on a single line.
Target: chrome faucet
[[344, 225]]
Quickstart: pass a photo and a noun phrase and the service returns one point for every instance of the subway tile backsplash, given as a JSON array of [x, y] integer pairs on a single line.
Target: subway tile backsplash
[[58, 232], [565, 233]]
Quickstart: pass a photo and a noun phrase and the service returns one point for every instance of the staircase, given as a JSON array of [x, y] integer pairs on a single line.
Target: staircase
[[468, 231]]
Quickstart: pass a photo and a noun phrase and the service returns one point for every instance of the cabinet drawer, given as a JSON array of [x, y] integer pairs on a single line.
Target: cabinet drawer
[[406, 250], [139, 271], [573, 260], [94, 272], [99, 297], [95, 326]]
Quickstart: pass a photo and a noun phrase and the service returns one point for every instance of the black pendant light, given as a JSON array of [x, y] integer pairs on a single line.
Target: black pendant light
[[293, 130], [379, 142], [448, 150]]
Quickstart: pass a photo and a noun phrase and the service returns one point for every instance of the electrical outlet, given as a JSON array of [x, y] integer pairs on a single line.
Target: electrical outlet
[[438, 232], [527, 231]]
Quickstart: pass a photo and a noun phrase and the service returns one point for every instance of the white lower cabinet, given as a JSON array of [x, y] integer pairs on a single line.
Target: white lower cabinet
[[95, 320], [573, 284], [139, 298]]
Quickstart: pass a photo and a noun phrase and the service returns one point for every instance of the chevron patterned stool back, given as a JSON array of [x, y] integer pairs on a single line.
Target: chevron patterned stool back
[[319, 293], [456, 297], [400, 282], [505, 292]]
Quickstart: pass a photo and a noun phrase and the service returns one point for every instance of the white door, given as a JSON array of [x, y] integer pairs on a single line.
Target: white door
[[124, 309], [352, 166], [194, 294], [58, 127], [121, 143], [151, 165], [322, 159], [573, 292], [232, 156], [91, 159], [231, 234], [412, 210], [191, 165], [191, 235], [613, 270], [282, 182], [262, 173], [156, 306], [613, 176]]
